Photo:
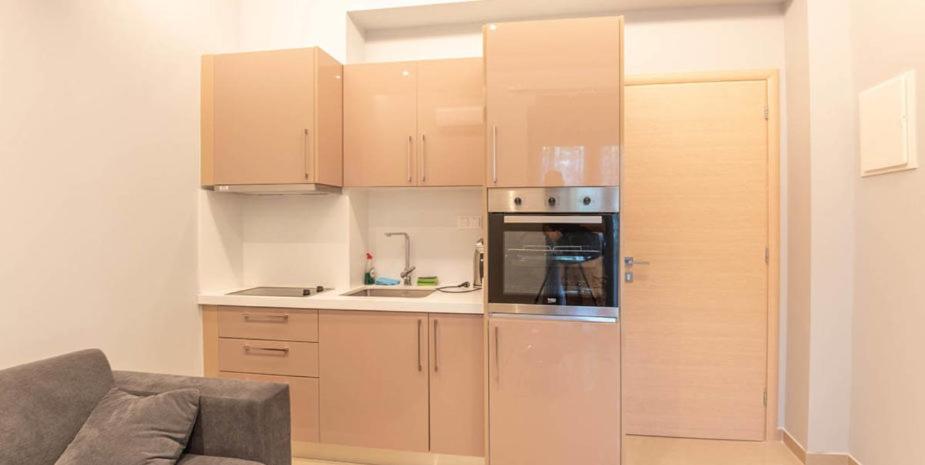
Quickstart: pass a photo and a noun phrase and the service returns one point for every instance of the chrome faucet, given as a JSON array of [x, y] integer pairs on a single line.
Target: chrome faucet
[[406, 273]]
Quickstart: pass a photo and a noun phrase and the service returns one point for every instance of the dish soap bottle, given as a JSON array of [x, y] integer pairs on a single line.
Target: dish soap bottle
[[369, 277]]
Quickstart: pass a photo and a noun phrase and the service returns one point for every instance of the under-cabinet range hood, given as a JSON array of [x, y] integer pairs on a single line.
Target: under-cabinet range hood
[[278, 189]]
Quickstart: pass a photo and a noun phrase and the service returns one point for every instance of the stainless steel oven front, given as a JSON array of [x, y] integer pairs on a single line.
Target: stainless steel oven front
[[554, 251]]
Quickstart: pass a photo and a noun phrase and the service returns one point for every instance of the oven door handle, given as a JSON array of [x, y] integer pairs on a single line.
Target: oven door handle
[[536, 219]]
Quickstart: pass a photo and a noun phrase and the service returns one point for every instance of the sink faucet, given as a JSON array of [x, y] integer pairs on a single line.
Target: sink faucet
[[406, 273]]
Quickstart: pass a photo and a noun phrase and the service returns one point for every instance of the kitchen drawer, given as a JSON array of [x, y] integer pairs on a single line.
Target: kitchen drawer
[[268, 323], [268, 357], [303, 397]]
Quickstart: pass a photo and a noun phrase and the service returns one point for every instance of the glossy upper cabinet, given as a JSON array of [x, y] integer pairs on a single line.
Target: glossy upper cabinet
[[457, 405], [451, 125], [414, 123], [554, 102], [380, 124], [554, 392], [374, 379], [272, 117]]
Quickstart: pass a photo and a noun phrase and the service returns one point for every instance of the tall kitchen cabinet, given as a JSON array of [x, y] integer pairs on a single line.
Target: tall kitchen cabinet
[[272, 118], [554, 102], [403, 381], [554, 391], [414, 123]]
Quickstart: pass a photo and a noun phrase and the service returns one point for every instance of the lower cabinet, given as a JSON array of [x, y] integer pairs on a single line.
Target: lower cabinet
[[554, 392], [303, 399], [374, 372]]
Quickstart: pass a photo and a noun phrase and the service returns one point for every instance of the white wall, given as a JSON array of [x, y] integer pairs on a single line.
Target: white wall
[[99, 150], [888, 405]]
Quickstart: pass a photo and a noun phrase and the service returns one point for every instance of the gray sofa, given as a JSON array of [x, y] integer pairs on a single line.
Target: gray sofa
[[44, 404]]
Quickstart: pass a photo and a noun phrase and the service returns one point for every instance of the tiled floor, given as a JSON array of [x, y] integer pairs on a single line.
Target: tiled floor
[[667, 451]]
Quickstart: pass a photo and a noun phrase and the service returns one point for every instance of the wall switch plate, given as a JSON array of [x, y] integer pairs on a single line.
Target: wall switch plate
[[468, 222]]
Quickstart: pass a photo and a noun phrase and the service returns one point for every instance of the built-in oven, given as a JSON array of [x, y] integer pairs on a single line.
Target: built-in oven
[[554, 251]]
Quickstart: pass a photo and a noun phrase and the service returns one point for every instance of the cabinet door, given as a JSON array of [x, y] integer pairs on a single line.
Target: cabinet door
[[263, 112], [374, 379], [554, 392], [380, 124], [457, 408], [553, 93], [451, 109], [327, 158], [303, 400]]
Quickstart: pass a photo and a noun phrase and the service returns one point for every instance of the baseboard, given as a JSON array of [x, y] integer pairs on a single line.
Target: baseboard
[[338, 453], [812, 458]]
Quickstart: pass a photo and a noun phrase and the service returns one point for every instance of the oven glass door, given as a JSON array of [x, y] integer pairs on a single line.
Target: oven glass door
[[553, 259]]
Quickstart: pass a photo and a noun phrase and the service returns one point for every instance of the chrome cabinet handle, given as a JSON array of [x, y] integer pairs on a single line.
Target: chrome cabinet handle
[[497, 356], [420, 363], [266, 318], [306, 152], [423, 158], [410, 154], [436, 352], [274, 350], [494, 154]]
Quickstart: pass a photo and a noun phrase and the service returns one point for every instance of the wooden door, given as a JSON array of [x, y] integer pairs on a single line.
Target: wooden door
[[303, 400], [554, 392], [380, 124], [451, 125], [695, 207], [374, 379], [327, 159], [553, 96], [457, 406], [262, 113]]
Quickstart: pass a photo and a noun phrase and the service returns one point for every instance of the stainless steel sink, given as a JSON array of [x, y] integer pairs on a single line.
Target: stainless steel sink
[[378, 292]]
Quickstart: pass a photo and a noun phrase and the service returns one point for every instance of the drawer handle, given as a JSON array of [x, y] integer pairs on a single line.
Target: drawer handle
[[266, 318], [268, 350]]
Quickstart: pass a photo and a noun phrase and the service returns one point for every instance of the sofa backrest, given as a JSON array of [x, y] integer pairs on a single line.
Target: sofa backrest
[[43, 404]]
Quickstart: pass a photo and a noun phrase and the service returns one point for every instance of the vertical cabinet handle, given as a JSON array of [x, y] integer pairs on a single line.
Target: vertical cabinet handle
[[306, 152], [497, 356], [410, 154], [436, 351], [423, 157], [420, 362], [494, 154]]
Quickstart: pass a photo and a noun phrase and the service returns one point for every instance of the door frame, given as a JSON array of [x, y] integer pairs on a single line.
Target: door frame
[[771, 77]]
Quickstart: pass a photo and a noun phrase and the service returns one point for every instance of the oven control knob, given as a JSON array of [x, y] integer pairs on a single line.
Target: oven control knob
[[551, 201], [518, 201], [586, 200]]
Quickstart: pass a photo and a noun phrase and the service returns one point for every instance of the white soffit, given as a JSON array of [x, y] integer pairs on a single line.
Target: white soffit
[[442, 12]]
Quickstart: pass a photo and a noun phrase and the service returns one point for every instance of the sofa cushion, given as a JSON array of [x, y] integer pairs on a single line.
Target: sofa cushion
[[45, 403], [125, 429], [193, 459]]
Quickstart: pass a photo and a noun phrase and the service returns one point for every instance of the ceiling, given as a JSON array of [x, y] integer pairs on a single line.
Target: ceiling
[[485, 11]]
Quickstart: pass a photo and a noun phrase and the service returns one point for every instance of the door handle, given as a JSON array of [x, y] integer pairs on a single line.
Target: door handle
[[410, 154], [497, 356], [420, 363], [494, 154], [436, 351], [423, 157], [630, 261]]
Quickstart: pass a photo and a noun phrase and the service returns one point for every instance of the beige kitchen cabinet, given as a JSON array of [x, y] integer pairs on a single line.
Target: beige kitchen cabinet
[[303, 399], [451, 122], [414, 123], [374, 371], [272, 117], [457, 406], [554, 392], [554, 102]]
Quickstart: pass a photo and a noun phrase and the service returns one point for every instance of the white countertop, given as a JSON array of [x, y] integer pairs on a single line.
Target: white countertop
[[438, 302]]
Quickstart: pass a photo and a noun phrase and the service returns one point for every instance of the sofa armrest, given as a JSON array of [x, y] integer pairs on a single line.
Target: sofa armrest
[[237, 419]]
